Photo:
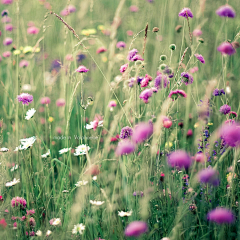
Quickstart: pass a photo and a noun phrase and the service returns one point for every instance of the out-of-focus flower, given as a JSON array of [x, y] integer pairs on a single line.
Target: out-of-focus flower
[[185, 12], [226, 48], [197, 32], [121, 44], [123, 68], [125, 147], [46, 154], [81, 150], [142, 132], [3, 223], [7, 41], [112, 104], [146, 94], [131, 54], [175, 94], [161, 81], [218, 92], [92, 125], [133, 8], [18, 201], [231, 134], [200, 57], [200, 157], [12, 183], [48, 233], [60, 102], [26, 143], [187, 78], [180, 159], [136, 228], [210, 176], [30, 113], [81, 69], [97, 203], [79, 228], [101, 50], [124, 214], [81, 183], [126, 132], [225, 109], [7, 2], [6, 54], [3, 149], [221, 216], [33, 30], [25, 98], [226, 11], [23, 63], [45, 100], [64, 150], [39, 233], [56, 222]]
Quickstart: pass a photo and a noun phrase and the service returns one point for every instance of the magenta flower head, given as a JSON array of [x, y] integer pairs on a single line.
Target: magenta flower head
[[9, 27], [81, 69], [233, 114], [7, 2], [231, 134], [33, 30], [210, 176], [19, 201], [175, 94], [121, 44], [218, 92], [146, 94], [60, 102], [123, 68], [179, 159], [45, 100], [225, 109], [145, 80], [125, 147], [197, 32], [187, 78], [64, 12], [136, 229], [126, 132], [221, 216], [186, 12], [101, 50], [23, 63], [131, 54], [226, 11], [137, 57], [142, 132], [6, 54], [226, 48], [7, 41], [71, 9], [133, 8], [112, 103], [25, 98], [161, 81], [200, 58]]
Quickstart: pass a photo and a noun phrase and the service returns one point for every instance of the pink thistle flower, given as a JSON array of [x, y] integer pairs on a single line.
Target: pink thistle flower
[[60, 102], [18, 201], [3, 223], [101, 50], [33, 30], [6, 19], [137, 57], [7, 2], [7, 41], [226, 11], [71, 9], [136, 229], [123, 68], [200, 157], [25, 98], [23, 63], [125, 147], [112, 103], [200, 58], [189, 132], [180, 159], [142, 132], [197, 32], [133, 8], [167, 123], [15, 225], [209, 175], [226, 48], [121, 44], [146, 80], [131, 54], [221, 216], [64, 12], [6, 54], [9, 27], [81, 69], [185, 12], [146, 94], [231, 134], [175, 94], [45, 100]]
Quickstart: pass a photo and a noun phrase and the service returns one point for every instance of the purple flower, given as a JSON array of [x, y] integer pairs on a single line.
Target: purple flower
[[25, 98], [9, 27], [7, 41], [161, 80], [7, 2], [197, 32], [56, 64], [231, 134], [175, 94], [23, 63], [180, 159], [187, 78], [125, 147], [226, 48], [141, 132], [81, 69], [131, 82], [221, 216], [146, 94], [18, 201], [226, 11], [225, 109], [126, 132], [45, 100], [200, 58], [138, 194], [137, 57], [209, 175], [185, 12], [136, 228], [131, 54], [121, 44], [139, 79], [4, 13], [123, 68], [218, 92]]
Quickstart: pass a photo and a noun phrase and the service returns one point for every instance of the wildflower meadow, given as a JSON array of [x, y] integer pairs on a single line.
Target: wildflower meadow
[[119, 119]]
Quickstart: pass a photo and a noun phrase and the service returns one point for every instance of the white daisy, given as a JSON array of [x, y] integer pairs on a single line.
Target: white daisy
[[91, 125], [14, 168], [81, 150], [39, 233], [56, 222], [46, 154], [78, 228], [97, 203], [12, 183], [48, 232], [26, 143], [30, 113], [64, 150], [124, 214], [4, 149], [81, 183]]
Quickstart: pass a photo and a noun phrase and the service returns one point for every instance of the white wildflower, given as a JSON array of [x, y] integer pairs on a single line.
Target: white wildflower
[[4, 149], [81, 150], [124, 214], [78, 228], [39, 233], [12, 183], [48, 233], [56, 222], [81, 183], [91, 125], [97, 203], [46, 154], [30, 113], [94, 178], [14, 168], [26, 143], [64, 150]]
